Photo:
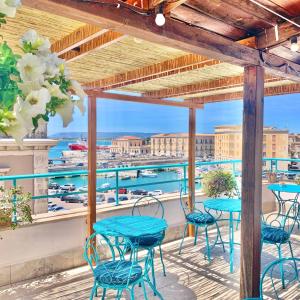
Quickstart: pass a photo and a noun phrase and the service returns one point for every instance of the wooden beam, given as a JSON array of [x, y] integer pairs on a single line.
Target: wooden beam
[[76, 38], [269, 91], [192, 163], [163, 69], [174, 34], [100, 42], [172, 5], [252, 182], [92, 163], [267, 39], [203, 86], [138, 99]]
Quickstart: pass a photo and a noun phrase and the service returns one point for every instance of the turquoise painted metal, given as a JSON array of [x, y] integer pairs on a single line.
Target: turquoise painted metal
[[277, 228], [135, 229], [199, 218], [119, 272], [226, 205]]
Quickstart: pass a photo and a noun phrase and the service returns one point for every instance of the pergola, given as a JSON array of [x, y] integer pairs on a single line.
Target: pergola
[[207, 51]]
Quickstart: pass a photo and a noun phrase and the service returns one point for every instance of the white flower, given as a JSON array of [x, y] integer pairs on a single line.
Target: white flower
[[31, 68], [55, 91], [17, 131], [53, 63], [28, 86], [66, 112], [35, 102], [13, 3], [37, 41], [7, 8], [76, 87]]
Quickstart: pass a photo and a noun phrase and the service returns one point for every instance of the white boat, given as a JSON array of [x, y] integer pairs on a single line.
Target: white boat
[[83, 188], [105, 185], [148, 174]]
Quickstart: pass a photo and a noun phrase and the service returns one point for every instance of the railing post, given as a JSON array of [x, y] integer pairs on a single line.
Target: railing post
[[233, 168], [14, 219], [117, 187], [184, 179]]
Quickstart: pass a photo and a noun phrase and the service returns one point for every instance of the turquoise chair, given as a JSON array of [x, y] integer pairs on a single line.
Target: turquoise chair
[[199, 218], [277, 228], [150, 206], [270, 278], [118, 272]]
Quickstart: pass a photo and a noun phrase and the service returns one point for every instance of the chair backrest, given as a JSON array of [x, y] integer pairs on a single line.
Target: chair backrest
[[108, 253], [184, 203], [148, 206], [286, 218], [271, 286]]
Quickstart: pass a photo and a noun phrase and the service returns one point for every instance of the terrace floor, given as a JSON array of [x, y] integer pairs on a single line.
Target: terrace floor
[[189, 277]]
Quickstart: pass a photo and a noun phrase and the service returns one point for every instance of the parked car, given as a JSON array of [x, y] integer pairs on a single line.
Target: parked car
[[139, 192], [155, 193], [54, 186], [123, 191], [123, 198], [72, 199], [99, 199], [111, 200], [68, 187]]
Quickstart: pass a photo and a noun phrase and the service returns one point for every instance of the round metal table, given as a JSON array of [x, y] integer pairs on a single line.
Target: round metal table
[[226, 205]]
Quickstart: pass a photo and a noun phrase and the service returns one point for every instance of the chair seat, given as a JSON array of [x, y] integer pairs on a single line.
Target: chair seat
[[150, 240], [274, 235], [117, 273], [200, 218]]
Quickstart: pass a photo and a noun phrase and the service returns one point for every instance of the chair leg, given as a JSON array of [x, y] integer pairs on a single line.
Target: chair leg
[[238, 222], [162, 261], [196, 235], [207, 244], [93, 291], [219, 235], [103, 294], [119, 294], [144, 290], [292, 255], [281, 267], [132, 293], [184, 233], [153, 270]]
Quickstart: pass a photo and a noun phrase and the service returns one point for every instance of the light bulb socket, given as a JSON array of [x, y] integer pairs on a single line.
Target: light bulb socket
[[294, 44]]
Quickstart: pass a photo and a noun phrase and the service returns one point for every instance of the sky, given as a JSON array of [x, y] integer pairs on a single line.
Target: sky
[[117, 116]]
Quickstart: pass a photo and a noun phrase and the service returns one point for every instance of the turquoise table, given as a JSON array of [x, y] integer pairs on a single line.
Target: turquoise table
[[277, 189], [132, 227], [230, 206]]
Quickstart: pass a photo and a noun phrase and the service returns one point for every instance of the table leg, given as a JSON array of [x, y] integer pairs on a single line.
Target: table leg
[[231, 241]]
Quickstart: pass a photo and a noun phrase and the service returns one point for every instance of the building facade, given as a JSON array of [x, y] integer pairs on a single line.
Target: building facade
[[130, 145], [176, 144], [228, 142], [294, 145]]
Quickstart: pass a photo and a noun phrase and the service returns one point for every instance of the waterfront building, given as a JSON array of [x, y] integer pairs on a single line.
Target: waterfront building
[[294, 145], [228, 142], [176, 144], [131, 145]]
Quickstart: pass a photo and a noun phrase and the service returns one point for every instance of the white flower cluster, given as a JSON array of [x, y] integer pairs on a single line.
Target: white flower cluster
[[40, 70], [9, 7]]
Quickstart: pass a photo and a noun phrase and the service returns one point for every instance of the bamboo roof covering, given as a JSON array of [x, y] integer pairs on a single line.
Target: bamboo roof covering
[[108, 60]]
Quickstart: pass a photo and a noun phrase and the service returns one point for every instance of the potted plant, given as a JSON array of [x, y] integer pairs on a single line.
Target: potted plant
[[15, 207], [219, 183], [272, 177]]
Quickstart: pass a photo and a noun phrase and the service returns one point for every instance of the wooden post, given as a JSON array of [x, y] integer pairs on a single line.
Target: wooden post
[[192, 161], [251, 181], [92, 163]]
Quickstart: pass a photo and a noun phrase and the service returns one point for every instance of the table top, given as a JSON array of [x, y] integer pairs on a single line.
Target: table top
[[226, 204], [287, 188], [132, 226]]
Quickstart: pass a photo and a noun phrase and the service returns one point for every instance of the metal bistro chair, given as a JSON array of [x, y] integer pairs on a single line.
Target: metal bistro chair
[[202, 219], [270, 283], [277, 229], [150, 206], [111, 269]]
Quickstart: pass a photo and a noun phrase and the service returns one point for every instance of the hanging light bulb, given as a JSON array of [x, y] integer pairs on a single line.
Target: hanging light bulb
[[160, 19], [294, 44]]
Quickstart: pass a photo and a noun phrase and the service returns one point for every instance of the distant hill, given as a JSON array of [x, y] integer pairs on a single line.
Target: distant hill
[[100, 135]]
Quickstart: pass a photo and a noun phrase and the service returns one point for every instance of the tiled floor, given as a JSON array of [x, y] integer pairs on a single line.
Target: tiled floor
[[189, 277]]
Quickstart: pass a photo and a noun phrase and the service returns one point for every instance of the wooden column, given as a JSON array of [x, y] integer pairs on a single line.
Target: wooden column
[[192, 161], [92, 163], [251, 181]]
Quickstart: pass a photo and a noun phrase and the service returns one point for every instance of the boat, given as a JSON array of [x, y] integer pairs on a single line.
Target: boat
[[148, 174], [81, 145], [125, 177], [105, 185]]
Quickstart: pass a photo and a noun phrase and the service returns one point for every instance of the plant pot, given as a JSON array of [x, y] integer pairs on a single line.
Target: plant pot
[[272, 177]]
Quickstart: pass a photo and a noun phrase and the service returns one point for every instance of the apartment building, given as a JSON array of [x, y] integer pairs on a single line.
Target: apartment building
[[176, 144], [228, 142], [294, 145], [131, 145]]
